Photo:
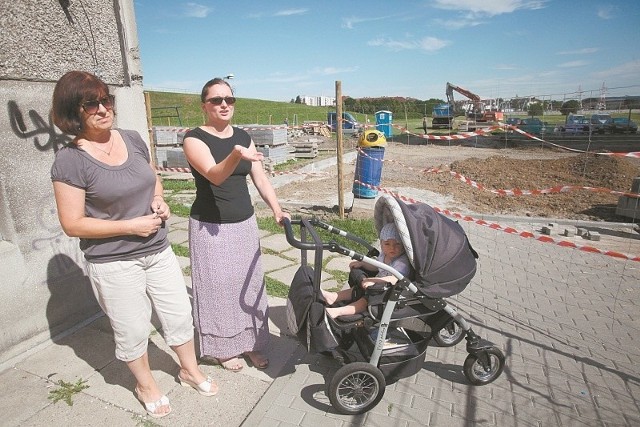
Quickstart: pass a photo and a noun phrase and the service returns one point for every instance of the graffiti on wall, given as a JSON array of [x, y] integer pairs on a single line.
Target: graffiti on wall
[[43, 132], [53, 239], [46, 137]]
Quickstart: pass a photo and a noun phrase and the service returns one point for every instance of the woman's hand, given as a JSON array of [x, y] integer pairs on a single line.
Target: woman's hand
[[145, 226], [160, 207], [249, 154], [279, 216]]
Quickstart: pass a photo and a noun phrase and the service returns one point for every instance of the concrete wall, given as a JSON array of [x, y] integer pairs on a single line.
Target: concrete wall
[[43, 288]]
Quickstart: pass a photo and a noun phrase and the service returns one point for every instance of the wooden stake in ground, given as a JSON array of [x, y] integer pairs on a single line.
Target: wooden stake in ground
[[339, 148]]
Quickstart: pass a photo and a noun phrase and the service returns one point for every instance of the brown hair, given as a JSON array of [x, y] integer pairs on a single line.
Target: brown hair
[[72, 89], [212, 82]]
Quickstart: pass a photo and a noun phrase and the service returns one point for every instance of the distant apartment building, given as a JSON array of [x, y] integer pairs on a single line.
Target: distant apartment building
[[318, 101]]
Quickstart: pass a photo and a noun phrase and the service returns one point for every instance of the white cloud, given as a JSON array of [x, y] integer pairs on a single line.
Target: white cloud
[[428, 44], [456, 24], [328, 71], [606, 12], [489, 7], [195, 10], [432, 44], [628, 69], [573, 64], [350, 23], [290, 12], [583, 51]]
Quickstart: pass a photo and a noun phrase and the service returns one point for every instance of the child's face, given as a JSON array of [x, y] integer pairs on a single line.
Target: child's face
[[391, 248]]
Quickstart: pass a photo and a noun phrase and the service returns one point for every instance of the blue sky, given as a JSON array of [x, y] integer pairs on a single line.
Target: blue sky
[[494, 48]]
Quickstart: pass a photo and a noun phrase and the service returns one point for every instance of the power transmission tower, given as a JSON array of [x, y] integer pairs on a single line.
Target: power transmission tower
[[602, 105]]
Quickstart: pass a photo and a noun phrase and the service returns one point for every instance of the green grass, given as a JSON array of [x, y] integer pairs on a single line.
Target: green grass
[[247, 111], [178, 208], [66, 391], [276, 288], [180, 250], [269, 224], [179, 185]]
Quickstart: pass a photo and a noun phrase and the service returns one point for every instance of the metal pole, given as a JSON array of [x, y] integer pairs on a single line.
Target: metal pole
[[339, 148]]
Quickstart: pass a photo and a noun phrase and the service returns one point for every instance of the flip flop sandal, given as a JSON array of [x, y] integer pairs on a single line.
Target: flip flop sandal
[[205, 388]]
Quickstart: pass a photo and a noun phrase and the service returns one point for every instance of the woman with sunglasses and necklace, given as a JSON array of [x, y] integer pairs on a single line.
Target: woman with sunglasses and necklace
[[229, 296], [108, 195]]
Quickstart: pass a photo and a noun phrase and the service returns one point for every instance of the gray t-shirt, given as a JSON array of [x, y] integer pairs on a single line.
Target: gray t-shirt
[[113, 193]]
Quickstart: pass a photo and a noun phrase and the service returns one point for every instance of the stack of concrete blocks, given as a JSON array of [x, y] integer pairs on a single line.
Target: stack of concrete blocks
[[272, 142], [305, 149], [630, 206], [168, 142], [571, 232]]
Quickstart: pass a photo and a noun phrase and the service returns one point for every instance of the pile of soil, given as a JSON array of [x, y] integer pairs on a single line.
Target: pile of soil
[[493, 167]]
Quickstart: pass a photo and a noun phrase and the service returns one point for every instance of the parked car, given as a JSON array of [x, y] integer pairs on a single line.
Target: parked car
[[511, 121], [532, 125], [600, 122], [576, 126], [622, 124]]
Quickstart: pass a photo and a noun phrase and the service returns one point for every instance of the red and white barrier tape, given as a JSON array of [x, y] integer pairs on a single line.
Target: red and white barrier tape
[[516, 191], [510, 230]]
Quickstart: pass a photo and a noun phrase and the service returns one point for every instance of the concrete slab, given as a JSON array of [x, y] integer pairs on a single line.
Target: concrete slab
[[77, 356], [273, 262], [20, 387], [339, 262], [275, 242], [179, 236]]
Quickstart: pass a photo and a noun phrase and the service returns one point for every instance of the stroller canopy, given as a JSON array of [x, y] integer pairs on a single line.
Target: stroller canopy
[[437, 247]]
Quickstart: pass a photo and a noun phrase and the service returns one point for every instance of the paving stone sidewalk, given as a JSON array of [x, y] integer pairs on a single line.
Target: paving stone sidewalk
[[566, 320]]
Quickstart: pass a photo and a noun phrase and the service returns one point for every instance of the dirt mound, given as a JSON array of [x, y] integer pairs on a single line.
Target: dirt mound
[[504, 173]]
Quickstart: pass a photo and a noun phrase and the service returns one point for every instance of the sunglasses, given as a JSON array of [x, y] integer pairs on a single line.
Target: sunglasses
[[217, 100], [92, 107]]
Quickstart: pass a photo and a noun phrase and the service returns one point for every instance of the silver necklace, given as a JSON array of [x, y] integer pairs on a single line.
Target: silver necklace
[[107, 152]]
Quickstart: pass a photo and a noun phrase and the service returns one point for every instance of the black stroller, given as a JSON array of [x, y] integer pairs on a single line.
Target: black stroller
[[401, 319]]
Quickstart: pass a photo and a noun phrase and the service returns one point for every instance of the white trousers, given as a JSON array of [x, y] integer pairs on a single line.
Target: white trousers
[[126, 292]]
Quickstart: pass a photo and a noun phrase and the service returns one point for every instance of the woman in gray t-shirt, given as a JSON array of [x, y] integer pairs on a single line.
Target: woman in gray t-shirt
[[109, 196]]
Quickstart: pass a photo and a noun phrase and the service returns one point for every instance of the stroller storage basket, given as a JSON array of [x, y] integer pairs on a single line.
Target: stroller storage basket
[[403, 354]]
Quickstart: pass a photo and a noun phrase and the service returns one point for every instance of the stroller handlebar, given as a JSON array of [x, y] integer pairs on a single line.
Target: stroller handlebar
[[307, 226], [300, 244]]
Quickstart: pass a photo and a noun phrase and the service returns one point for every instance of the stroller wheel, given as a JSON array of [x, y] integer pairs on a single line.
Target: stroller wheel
[[356, 388], [484, 366], [450, 335]]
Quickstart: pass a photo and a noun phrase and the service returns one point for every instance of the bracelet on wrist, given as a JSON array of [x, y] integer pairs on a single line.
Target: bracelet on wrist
[[158, 195]]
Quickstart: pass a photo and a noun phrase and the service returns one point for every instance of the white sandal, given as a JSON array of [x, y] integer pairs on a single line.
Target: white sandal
[[204, 388], [152, 407]]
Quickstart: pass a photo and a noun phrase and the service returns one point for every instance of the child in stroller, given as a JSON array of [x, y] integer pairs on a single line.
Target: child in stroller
[[393, 255], [443, 263]]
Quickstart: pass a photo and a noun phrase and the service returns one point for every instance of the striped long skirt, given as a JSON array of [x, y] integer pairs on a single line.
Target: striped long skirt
[[229, 296]]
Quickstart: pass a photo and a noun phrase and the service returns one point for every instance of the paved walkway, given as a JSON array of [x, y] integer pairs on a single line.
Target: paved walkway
[[568, 322]]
